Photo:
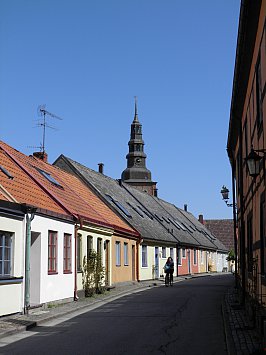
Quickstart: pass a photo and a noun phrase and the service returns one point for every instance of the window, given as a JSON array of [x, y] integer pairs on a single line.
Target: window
[[52, 252], [89, 245], [144, 256], [249, 243], [5, 253], [195, 257], [146, 212], [179, 257], [122, 208], [67, 253], [117, 253], [49, 177], [125, 254], [119, 205], [183, 252], [136, 209], [158, 217], [201, 257], [6, 172], [79, 252], [163, 252], [99, 246], [172, 253]]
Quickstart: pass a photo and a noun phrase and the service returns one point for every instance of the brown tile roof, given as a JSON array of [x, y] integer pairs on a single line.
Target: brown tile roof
[[72, 195], [223, 229]]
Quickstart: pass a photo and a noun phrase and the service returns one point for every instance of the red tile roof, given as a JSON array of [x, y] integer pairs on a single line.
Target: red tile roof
[[223, 229], [72, 196], [22, 189]]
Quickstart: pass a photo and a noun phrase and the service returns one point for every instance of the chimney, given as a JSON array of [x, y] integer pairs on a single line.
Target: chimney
[[155, 192], [101, 167], [201, 218], [185, 207], [41, 155]]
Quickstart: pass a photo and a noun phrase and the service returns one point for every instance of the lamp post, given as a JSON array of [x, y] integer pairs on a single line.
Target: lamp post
[[253, 161], [225, 196]]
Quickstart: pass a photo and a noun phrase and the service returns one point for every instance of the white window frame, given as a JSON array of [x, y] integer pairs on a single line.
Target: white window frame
[[163, 252], [184, 253], [195, 256], [126, 254], [144, 256], [10, 236], [179, 256], [118, 253]]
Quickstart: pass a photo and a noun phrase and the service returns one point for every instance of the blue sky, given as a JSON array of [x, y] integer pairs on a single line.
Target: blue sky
[[86, 60]]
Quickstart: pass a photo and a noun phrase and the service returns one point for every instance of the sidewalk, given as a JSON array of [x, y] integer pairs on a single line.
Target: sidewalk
[[241, 339], [241, 336]]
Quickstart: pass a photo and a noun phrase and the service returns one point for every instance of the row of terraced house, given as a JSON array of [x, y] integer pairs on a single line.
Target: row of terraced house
[[53, 215]]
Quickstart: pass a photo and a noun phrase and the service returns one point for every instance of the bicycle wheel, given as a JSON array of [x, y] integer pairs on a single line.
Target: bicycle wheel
[[167, 279]]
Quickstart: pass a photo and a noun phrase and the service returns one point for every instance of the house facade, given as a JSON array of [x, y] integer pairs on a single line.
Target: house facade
[[246, 150], [12, 234], [67, 221]]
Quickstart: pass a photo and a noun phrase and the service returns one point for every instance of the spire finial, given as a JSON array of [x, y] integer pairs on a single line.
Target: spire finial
[[136, 110]]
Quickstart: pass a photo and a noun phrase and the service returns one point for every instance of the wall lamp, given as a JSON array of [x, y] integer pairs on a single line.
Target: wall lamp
[[225, 195], [253, 161]]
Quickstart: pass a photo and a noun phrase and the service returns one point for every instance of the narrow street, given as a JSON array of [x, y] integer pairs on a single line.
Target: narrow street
[[183, 319]]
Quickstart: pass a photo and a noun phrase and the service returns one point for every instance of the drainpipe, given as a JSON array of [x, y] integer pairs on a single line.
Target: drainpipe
[[235, 224], [137, 257], [78, 225], [75, 262], [30, 214]]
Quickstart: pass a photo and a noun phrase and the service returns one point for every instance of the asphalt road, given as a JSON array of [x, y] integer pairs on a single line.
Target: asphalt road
[[183, 319]]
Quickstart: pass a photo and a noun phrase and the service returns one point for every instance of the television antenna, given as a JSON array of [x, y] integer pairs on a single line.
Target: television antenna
[[42, 112]]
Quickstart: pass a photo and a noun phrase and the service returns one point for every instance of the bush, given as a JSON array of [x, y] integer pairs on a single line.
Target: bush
[[92, 274]]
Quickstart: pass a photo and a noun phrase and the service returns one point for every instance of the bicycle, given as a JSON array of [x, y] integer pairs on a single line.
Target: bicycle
[[168, 280]]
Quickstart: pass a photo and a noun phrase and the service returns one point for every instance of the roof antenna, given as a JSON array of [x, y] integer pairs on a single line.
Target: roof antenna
[[43, 123]]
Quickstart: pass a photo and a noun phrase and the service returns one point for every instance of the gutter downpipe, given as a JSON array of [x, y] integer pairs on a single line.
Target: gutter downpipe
[[242, 223], [78, 225], [30, 214], [235, 223], [137, 257]]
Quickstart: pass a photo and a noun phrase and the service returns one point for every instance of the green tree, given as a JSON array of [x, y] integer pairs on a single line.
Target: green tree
[[231, 255]]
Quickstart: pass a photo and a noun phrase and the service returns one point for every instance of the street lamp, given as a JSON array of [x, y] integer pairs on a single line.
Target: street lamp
[[253, 161], [225, 195]]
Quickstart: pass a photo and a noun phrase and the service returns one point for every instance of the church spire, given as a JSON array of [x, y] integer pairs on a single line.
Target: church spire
[[136, 173], [136, 119]]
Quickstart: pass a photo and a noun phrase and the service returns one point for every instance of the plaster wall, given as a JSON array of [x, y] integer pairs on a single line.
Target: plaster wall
[[11, 295], [148, 272], [126, 271], [95, 233], [56, 286]]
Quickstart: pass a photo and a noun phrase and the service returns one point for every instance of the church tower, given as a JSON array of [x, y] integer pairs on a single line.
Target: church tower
[[136, 173]]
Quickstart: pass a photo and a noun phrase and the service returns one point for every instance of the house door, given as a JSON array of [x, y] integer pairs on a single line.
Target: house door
[[133, 263], [35, 269], [156, 263], [107, 263], [189, 261]]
